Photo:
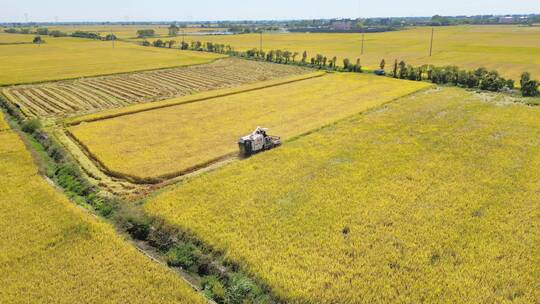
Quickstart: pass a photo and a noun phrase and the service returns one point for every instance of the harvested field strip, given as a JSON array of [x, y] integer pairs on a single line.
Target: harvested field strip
[[433, 198], [54, 252], [179, 138], [85, 101], [24, 102], [184, 81], [67, 93], [144, 87], [51, 94], [38, 93], [26, 109], [104, 89], [179, 83], [154, 83], [138, 108], [126, 92], [102, 97], [49, 107], [192, 79], [150, 86], [133, 88]]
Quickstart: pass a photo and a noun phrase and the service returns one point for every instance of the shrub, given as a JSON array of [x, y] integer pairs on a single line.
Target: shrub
[[213, 288], [133, 221], [529, 87], [242, 288], [184, 255], [57, 33], [30, 126]]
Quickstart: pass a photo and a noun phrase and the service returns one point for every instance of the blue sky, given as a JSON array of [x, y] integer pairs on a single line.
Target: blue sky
[[167, 10]]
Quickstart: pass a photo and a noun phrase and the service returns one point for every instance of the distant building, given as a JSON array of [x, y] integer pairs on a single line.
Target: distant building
[[506, 19], [342, 25]]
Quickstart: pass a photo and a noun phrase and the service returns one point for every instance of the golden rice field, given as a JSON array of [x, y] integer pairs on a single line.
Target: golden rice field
[[14, 38], [65, 58], [127, 31], [53, 252], [94, 94], [433, 198], [168, 142], [509, 49]]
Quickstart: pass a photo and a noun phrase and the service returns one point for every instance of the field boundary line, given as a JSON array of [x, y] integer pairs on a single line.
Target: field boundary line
[[193, 99]]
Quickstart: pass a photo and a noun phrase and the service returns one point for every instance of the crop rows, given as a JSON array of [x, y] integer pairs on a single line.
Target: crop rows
[[94, 94]]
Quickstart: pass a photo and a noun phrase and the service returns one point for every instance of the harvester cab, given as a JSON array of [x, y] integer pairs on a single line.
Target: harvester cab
[[257, 141]]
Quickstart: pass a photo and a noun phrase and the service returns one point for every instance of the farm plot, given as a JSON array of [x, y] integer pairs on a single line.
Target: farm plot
[[6, 38], [509, 49], [68, 58], [165, 143], [95, 94], [52, 252], [433, 198]]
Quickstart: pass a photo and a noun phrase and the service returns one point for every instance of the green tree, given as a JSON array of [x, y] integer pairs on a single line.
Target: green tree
[[287, 56], [529, 87], [294, 55], [395, 71], [304, 57], [146, 33], [346, 63], [158, 43], [38, 40], [402, 69], [173, 30]]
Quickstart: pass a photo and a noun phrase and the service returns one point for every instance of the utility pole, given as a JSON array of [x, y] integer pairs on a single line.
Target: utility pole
[[362, 42], [431, 43], [261, 42]]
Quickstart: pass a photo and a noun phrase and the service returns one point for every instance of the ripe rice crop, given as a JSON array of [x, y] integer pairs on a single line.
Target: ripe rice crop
[[3, 124], [52, 252], [6, 38], [66, 58], [509, 49], [127, 31], [95, 94], [164, 143], [433, 198]]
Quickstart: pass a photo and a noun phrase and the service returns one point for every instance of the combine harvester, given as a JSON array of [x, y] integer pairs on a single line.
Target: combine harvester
[[257, 141]]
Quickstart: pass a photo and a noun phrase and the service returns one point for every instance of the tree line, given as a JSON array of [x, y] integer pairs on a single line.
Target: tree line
[[277, 56], [56, 33], [480, 78]]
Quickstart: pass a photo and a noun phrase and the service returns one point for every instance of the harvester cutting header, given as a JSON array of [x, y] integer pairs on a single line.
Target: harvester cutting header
[[257, 141]]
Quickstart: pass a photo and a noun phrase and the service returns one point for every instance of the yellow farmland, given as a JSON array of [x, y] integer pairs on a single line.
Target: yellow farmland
[[63, 58], [98, 93], [433, 198], [509, 49], [52, 252], [6, 38], [166, 142], [127, 31]]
